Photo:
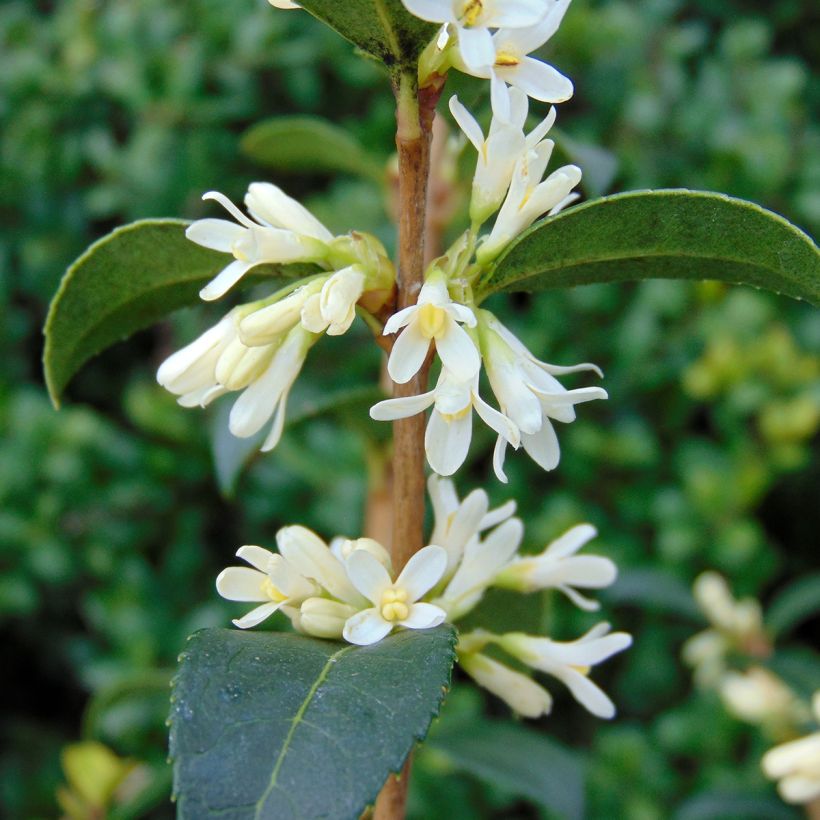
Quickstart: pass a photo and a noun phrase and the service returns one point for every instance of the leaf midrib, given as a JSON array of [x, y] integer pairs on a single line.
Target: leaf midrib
[[297, 719]]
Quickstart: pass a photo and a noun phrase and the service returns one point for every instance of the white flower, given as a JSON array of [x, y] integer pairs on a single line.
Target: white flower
[[472, 19], [284, 4], [312, 558], [450, 428], [511, 65], [283, 231], [796, 765], [760, 697], [558, 567], [520, 692], [218, 362], [569, 661], [435, 317], [267, 324], [394, 603], [272, 582], [498, 152], [343, 547], [528, 393], [738, 619], [333, 309], [529, 198], [480, 564], [321, 617], [455, 523]]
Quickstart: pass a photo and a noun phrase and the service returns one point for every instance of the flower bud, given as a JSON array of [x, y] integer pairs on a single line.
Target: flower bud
[[324, 618]]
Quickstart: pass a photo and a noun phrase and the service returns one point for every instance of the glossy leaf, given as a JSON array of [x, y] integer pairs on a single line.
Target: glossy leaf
[[726, 805], [124, 282], [666, 234], [310, 145], [277, 725], [382, 28], [519, 760], [796, 603]]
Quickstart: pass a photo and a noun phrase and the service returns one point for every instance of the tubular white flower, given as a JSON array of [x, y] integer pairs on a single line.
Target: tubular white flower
[[268, 394], [343, 547], [333, 309], [450, 428], [738, 619], [456, 524], [284, 4], [479, 566], [435, 317], [559, 568], [511, 65], [498, 152], [528, 393], [395, 603], [529, 198], [760, 697], [272, 582], [472, 19], [283, 232], [322, 617], [796, 765], [311, 556], [268, 323], [569, 661], [521, 693]]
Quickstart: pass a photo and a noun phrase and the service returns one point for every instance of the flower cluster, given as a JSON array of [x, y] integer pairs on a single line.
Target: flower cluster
[[348, 590], [492, 39], [259, 348]]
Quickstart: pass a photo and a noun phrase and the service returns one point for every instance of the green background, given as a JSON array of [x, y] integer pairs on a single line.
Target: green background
[[112, 527]]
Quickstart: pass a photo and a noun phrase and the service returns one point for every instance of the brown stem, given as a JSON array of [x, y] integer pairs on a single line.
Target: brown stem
[[813, 809], [414, 119]]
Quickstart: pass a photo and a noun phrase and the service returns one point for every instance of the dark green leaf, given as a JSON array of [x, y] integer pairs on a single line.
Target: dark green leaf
[[232, 454], [382, 28], [673, 234], [278, 725], [309, 144], [796, 603], [799, 667], [655, 590], [124, 282], [733, 806], [519, 760]]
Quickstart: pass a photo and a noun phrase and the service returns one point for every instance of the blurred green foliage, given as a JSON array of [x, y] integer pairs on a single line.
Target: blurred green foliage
[[111, 525]]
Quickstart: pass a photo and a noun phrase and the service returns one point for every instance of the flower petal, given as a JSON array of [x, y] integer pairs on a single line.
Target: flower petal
[[225, 280], [368, 575], [447, 442], [588, 694], [458, 352], [257, 557], [402, 408], [216, 234], [571, 541], [422, 572], [366, 627], [542, 447], [256, 616], [241, 584], [408, 354], [476, 48], [424, 616]]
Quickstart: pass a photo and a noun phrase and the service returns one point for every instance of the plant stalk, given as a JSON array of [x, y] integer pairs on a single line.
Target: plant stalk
[[414, 121]]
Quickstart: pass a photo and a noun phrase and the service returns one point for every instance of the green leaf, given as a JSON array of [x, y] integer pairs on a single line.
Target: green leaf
[[309, 144], [674, 234], [232, 455], [799, 667], [518, 760], [654, 590], [795, 604], [384, 29], [279, 725], [725, 805], [124, 282]]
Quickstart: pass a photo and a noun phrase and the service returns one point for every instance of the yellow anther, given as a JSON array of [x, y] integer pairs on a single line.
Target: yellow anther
[[431, 320], [393, 606], [503, 59], [471, 12], [584, 670], [273, 592], [395, 612]]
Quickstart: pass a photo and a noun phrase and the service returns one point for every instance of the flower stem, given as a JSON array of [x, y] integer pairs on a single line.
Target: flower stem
[[414, 120]]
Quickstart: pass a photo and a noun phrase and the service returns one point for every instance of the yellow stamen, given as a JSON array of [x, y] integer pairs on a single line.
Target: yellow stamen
[[504, 59], [584, 670], [273, 592], [431, 320], [393, 606], [449, 417], [471, 13]]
